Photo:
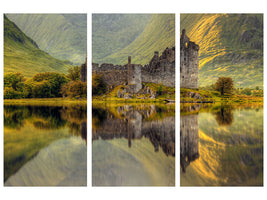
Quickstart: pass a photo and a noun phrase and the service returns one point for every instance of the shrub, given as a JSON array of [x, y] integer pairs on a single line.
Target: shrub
[[98, 85], [74, 89]]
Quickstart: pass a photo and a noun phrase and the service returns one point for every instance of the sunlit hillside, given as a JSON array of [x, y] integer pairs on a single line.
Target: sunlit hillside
[[64, 36], [158, 34], [230, 45], [22, 54]]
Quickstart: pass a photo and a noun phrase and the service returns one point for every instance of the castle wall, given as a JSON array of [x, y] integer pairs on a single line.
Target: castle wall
[[188, 63], [160, 70], [164, 74]]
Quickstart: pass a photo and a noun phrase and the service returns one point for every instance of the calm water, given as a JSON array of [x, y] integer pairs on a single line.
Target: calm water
[[133, 145], [45, 146], [221, 146]]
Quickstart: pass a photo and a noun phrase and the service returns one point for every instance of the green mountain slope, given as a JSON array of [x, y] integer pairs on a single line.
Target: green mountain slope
[[230, 45], [21, 54], [158, 34], [64, 36], [113, 32]]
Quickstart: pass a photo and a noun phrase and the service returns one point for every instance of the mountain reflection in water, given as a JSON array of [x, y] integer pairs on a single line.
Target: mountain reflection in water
[[136, 125], [32, 131], [221, 145]]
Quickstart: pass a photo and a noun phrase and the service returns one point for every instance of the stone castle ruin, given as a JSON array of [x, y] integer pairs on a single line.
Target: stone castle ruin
[[160, 70], [188, 62]]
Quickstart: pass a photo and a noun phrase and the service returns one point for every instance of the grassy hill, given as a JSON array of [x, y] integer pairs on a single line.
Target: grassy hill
[[21, 54], [158, 34], [64, 36], [230, 45], [113, 32]]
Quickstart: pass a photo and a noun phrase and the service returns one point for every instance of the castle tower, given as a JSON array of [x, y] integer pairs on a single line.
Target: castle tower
[[188, 63], [134, 76]]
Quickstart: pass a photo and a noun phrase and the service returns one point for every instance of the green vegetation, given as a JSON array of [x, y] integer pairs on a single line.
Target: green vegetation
[[43, 85], [204, 95], [113, 32], [231, 45], [158, 34], [98, 86], [76, 89], [63, 36], [161, 94], [21, 54], [224, 85]]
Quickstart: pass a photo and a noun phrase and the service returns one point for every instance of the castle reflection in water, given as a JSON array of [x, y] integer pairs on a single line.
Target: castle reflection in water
[[135, 123], [189, 140]]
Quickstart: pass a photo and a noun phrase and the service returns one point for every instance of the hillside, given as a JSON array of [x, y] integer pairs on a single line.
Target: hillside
[[113, 32], [158, 34], [21, 54], [64, 36], [230, 45]]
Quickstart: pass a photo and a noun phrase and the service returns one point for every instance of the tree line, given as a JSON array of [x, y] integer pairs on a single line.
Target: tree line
[[45, 85], [225, 85]]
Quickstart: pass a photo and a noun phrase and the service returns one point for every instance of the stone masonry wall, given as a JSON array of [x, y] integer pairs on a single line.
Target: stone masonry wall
[[188, 63], [160, 70]]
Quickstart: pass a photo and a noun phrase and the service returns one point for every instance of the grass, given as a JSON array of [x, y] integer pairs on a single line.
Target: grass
[[63, 36], [45, 101], [214, 96], [21, 54], [158, 34], [166, 93]]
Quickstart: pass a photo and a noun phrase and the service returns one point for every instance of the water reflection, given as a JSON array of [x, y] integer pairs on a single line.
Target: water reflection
[[136, 125], [29, 129], [221, 145], [224, 116], [189, 139]]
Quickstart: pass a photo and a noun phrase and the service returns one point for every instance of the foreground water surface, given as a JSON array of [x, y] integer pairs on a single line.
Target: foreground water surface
[[45, 146], [133, 145], [221, 145]]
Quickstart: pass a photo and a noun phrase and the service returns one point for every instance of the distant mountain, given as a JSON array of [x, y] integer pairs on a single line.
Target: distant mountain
[[155, 33], [21, 54], [230, 45], [64, 36]]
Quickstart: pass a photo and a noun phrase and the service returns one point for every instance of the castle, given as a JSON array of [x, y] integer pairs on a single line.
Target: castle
[[160, 70], [188, 62]]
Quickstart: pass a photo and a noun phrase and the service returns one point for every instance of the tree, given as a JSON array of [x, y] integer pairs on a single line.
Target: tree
[[74, 73], [14, 80], [246, 91], [74, 89], [98, 85], [55, 81], [224, 85]]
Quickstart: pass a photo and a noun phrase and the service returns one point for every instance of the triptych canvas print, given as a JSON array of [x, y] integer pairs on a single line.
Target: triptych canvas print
[[138, 74]]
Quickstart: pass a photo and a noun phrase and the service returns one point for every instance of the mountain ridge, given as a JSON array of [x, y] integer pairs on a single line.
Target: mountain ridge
[[22, 54]]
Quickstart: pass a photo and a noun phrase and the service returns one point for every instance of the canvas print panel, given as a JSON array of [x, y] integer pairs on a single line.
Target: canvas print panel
[[133, 100], [45, 107], [221, 100]]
